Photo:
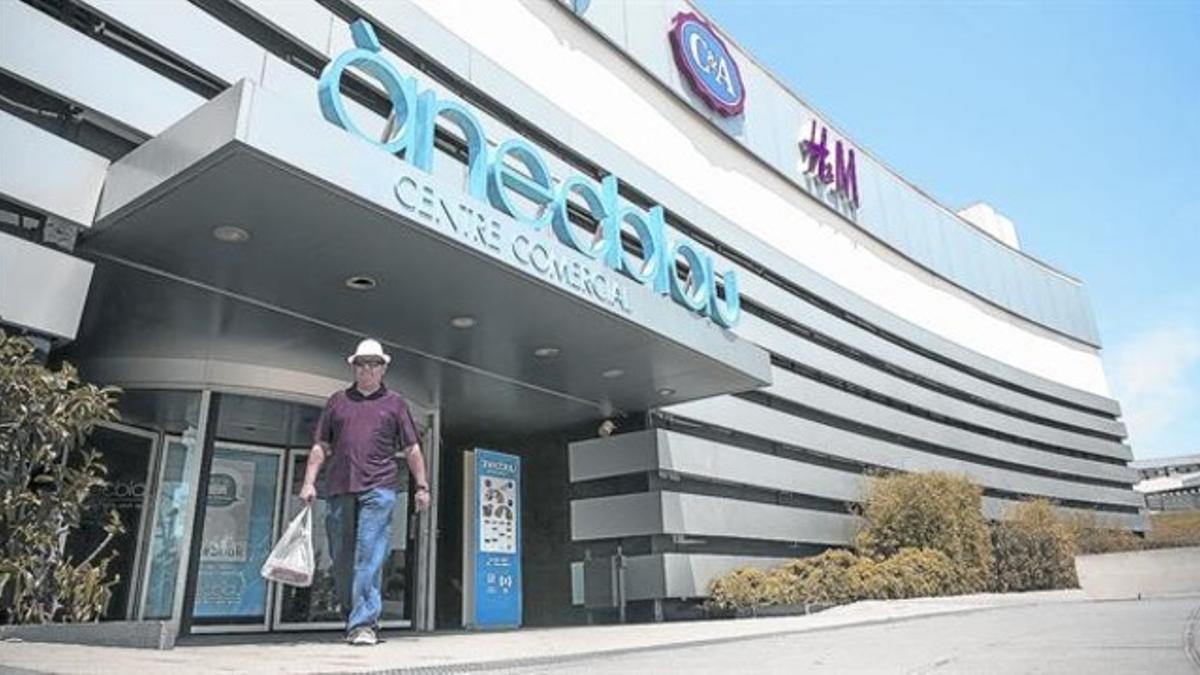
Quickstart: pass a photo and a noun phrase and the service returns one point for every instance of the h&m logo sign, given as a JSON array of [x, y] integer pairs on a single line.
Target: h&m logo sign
[[838, 170]]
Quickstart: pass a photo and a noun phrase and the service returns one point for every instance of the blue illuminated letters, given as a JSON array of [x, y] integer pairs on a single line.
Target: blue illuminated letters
[[516, 167]]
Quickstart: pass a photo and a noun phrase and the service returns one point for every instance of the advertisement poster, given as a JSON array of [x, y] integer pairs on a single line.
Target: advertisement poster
[[238, 534], [496, 547], [227, 521]]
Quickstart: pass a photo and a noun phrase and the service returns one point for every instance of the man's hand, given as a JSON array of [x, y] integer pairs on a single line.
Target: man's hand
[[308, 492], [422, 498]]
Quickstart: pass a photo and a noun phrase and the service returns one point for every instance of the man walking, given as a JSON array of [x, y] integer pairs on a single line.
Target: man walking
[[359, 433]]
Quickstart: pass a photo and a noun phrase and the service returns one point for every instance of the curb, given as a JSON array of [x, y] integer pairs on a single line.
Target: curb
[[527, 662]]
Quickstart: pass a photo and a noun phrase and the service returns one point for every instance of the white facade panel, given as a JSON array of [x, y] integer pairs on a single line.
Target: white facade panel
[[637, 118], [701, 515], [678, 454], [189, 33], [704, 516], [48, 173], [306, 20], [44, 52], [42, 289], [405, 18]]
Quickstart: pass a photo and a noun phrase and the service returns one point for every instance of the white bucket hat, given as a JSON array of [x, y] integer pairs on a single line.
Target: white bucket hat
[[369, 347]]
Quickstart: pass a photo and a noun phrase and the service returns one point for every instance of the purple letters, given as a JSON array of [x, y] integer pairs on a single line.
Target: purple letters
[[840, 171]]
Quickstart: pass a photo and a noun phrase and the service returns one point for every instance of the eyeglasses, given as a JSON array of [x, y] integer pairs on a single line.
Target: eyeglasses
[[368, 364]]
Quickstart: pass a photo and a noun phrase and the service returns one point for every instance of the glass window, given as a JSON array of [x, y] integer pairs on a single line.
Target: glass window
[[176, 414], [168, 528]]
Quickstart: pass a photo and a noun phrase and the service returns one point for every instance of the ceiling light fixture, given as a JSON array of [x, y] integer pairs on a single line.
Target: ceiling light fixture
[[361, 283], [612, 372], [462, 321], [546, 352], [230, 234], [666, 391]]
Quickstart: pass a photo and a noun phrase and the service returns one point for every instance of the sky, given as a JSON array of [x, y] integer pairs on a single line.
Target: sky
[[1079, 121]]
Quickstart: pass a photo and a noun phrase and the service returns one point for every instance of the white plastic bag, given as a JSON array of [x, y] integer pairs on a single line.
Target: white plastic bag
[[291, 561]]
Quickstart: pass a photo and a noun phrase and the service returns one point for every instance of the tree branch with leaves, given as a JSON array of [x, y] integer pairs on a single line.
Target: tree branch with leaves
[[48, 475]]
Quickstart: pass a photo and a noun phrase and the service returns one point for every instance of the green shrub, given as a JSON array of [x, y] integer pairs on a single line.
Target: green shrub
[[1093, 535], [925, 535], [833, 577], [743, 587], [47, 475], [1168, 530], [937, 511], [1034, 549], [916, 573], [836, 577]]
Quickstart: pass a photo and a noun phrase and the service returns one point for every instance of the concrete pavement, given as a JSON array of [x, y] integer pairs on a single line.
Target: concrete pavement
[[1115, 638], [458, 652]]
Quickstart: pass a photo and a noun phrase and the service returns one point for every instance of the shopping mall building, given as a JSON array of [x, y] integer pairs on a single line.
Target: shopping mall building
[[598, 237]]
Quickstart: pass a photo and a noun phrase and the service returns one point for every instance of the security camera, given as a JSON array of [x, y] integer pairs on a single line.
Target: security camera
[[606, 429]]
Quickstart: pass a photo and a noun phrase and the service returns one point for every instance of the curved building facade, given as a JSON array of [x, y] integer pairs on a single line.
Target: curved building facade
[[597, 236]]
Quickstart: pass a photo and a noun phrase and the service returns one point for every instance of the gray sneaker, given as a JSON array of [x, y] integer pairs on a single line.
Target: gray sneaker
[[363, 637]]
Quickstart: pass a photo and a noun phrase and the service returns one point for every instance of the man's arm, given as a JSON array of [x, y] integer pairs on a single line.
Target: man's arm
[[316, 457], [416, 465]]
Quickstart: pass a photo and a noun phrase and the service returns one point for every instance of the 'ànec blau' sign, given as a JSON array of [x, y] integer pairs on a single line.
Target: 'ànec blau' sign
[[516, 167], [707, 64]]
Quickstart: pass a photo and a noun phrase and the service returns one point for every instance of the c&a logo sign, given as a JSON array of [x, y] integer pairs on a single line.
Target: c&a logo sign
[[706, 63]]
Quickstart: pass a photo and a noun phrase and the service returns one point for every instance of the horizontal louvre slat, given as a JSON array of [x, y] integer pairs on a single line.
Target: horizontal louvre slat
[[784, 303], [661, 450], [701, 515], [47, 54], [849, 406], [746, 417], [810, 354]]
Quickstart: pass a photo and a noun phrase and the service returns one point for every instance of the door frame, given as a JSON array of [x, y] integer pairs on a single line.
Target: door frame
[[276, 529], [160, 468], [425, 582], [133, 606], [277, 622]]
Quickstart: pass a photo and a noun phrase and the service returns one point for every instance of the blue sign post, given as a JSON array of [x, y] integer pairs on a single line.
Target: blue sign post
[[492, 550]]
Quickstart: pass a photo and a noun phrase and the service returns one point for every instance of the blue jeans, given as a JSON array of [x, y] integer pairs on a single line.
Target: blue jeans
[[360, 529]]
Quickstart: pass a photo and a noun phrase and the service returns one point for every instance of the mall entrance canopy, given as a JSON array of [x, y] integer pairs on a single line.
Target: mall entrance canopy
[[267, 204]]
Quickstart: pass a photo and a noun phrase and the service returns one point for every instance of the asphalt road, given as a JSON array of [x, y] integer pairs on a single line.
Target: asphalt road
[[1146, 636]]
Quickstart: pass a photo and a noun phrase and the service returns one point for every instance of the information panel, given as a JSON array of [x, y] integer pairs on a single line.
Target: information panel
[[492, 534]]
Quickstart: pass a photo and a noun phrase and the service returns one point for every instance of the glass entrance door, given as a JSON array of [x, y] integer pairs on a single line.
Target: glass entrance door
[[258, 461], [240, 526], [318, 606]]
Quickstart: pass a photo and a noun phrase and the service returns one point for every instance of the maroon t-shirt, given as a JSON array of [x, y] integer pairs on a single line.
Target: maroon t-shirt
[[361, 435]]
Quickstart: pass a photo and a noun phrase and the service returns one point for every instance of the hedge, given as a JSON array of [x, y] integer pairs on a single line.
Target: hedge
[[937, 511], [1033, 549]]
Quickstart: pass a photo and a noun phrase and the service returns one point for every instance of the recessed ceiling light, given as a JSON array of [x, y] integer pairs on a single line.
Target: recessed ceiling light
[[666, 391], [612, 372], [361, 283], [545, 352], [462, 321], [230, 234]]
